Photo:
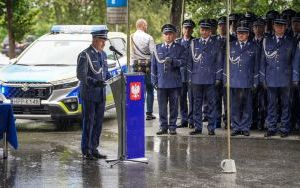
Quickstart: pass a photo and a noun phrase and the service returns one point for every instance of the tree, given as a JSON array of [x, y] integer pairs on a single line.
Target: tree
[[18, 18], [175, 13]]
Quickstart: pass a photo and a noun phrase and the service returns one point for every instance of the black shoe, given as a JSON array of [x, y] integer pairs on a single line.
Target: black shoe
[[260, 128], [88, 156], [211, 133], [150, 116], [284, 134], [99, 156], [191, 125], [183, 125], [235, 133], [162, 131], [204, 119], [269, 134], [246, 133], [195, 132], [172, 132]]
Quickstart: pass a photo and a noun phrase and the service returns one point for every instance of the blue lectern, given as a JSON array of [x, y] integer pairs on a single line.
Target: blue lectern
[[128, 91]]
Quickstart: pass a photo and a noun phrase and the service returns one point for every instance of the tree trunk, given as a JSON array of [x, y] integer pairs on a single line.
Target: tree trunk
[[175, 15], [11, 38]]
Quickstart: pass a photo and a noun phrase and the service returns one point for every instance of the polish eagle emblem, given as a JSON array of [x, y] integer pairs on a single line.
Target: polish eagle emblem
[[135, 91]]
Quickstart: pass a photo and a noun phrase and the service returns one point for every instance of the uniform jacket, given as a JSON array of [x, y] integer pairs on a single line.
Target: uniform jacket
[[296, 64], [88, 88], [167, 75], [276, 61], [209, 68], [243, 65], [183, 69]]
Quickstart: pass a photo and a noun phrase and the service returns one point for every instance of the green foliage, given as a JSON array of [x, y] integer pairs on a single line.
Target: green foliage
[[72, 11], [156, 17], [37, 16], [24, 17]]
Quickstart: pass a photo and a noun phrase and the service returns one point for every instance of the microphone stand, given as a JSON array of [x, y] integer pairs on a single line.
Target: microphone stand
[[122, 157]]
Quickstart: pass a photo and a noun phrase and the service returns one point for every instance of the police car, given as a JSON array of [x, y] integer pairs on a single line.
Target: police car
[[42, 83]]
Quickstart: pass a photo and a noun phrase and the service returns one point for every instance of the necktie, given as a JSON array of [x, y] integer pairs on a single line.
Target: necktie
[[242, 45], [204, 42], [168, 47], [279, 40]]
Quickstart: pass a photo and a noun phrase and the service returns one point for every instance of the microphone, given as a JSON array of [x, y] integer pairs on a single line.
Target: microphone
[[113, 49]]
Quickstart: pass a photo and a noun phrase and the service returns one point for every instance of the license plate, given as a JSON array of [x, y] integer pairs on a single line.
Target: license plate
[[26, 101]]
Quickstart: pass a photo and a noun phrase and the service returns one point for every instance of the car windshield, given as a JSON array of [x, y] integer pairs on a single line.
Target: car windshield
[[56, 53]]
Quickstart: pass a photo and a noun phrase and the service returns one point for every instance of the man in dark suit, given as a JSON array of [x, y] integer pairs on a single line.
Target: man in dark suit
[[92, 71]]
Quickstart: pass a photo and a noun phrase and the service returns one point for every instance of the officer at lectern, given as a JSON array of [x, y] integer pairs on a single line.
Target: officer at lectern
[[92, 71]]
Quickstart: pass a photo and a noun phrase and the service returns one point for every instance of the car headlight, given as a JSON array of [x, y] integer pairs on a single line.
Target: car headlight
[[2, 88], [65, 85], [71, 104]]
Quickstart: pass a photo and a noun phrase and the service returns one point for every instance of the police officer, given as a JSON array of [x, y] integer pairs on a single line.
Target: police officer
[[204, 74], [296, 72], [296, 27], [243, 77], [233, 21], [259, 95], [270, 16], [295, 100], [142, 45], [221, 90], [92, 72], [276, 73], [166, 77], [214, 28], [186, 111], [288, 14]]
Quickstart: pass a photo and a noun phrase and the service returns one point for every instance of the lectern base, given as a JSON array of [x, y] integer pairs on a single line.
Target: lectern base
[[122, 160]]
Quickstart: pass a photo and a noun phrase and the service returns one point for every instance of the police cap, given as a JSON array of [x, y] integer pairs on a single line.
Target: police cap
[[214, 23], [250, 16], [233, 17], [205, 23], [188, 23], [100, 34], [288, 13], [259, 22], [222, 20], [280, 20], [296, 18], [243, 28], [168, 28], [271, 15]]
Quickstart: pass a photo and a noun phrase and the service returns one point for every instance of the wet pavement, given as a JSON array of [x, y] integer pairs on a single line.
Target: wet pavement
[[51, 158]]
